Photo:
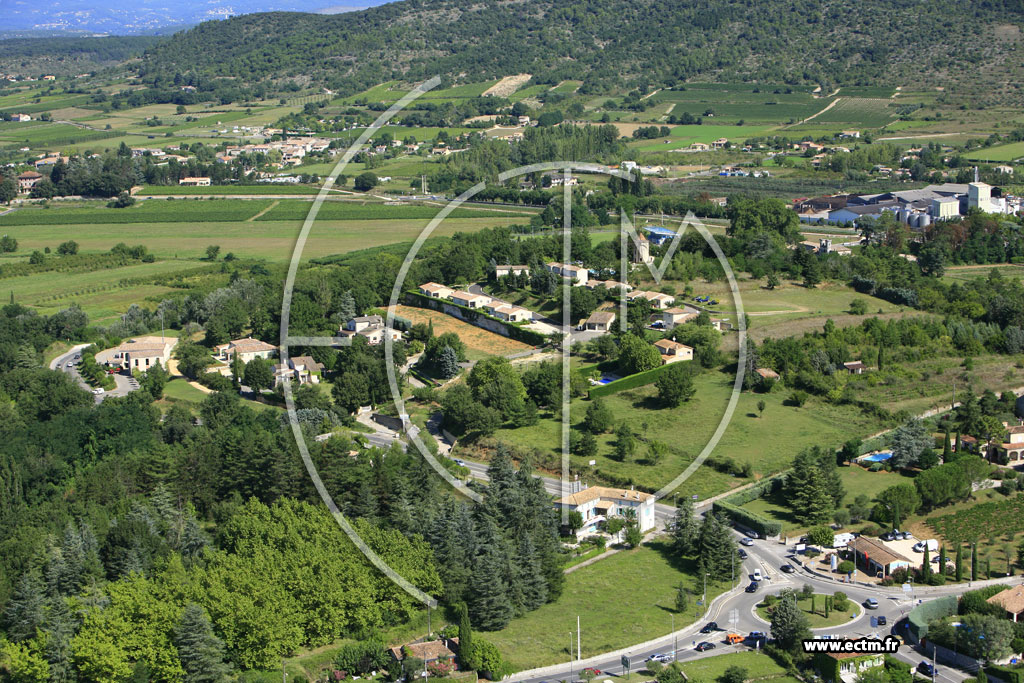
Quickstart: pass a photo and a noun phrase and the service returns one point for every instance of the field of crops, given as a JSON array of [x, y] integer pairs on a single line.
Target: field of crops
[[866, 91], [983, 521], [1010, 152], [152, 211], [860, 112], [734, 103], [265, 188], [53, 134], [296, 210]]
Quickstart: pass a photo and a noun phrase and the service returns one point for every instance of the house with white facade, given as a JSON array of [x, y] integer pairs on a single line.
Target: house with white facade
[[598, 503], [246, 349], [371, 327]]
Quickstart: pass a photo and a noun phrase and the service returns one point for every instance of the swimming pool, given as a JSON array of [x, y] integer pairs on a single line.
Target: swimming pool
[[878, 457]]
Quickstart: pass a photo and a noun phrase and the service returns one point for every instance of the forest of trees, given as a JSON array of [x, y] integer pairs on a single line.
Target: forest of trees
[[616, 44]]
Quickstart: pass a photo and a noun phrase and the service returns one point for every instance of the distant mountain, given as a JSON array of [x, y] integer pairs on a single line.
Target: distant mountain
[[140, 16], [612, 44]]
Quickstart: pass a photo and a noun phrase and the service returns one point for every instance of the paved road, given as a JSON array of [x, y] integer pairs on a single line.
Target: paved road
[[734, 612], [125, 383]]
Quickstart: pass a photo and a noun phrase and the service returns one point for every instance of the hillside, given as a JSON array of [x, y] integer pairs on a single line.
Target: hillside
[[646, 43]]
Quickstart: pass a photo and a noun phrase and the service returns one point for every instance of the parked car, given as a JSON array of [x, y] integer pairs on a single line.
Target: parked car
[[97, 391], [752, 588], [757, 575], [710, 627], [787, 568], [757, 635], [742, 553], [881, 620], [926, 668], [746, 541], [661, 658], [871, 603], [71, 363], [705, 646], [888, 536], [752, 534]]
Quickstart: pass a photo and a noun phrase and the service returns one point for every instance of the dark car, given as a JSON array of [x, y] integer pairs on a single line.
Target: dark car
[[705, 646], [787, 568], [742, 553], [926, 668], [752, 588], [882, 620], [710, 627], [887, 536]]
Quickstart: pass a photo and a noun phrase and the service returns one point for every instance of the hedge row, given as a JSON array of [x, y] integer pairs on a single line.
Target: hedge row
[[1005, 673], [748, 519], [927, 612], [471, 315], [631, 382], [759, 490]]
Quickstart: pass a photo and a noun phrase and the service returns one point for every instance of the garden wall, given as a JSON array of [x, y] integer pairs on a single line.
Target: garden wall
[[475, 316]]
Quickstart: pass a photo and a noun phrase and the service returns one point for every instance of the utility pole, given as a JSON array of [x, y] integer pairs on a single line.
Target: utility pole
[[578, 646], [428, 621], [704, 597], [284, 676]]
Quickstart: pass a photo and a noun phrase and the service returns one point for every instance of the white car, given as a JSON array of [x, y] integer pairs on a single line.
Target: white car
[[757, 575], [97, 391]]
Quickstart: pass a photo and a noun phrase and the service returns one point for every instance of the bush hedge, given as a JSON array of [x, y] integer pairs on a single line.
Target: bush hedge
[[1005, 673], [631, 382], [747, 519], [523, 334]]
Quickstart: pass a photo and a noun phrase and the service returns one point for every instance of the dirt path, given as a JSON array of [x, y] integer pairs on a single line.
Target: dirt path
[[827, 107], [274, 203], [508, 85], [920, 137]]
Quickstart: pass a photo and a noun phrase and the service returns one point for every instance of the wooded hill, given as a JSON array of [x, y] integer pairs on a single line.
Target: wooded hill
[[612, 44]]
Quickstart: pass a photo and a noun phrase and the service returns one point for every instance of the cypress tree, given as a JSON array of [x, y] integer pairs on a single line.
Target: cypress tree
[[959, 562], [201, 652], [926, 568], [946, 451], [974, 562], [467, 659], [942, 561], [881, 357]]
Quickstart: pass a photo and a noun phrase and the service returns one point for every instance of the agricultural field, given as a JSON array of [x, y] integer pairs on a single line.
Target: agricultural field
[[857, 112], [103, 294], [683, 136], [628, 612], [153, 211], [480, 343], [999, 153], [296, 210], [271, 240], [733, 103], [265, 188]]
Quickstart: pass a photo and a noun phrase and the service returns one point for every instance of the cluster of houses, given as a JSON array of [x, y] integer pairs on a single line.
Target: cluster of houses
[[292, 150], [915, 208], [493, 307]]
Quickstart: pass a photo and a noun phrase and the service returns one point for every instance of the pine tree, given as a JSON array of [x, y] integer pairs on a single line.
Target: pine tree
[[448, 363], [24, 613], [789, 624], [201, 652], [489, 605], [533, 587], [60, 627], [716, 547], [685, 528]]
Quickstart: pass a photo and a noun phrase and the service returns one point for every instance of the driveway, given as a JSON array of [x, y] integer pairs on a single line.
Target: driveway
[[125, 384]]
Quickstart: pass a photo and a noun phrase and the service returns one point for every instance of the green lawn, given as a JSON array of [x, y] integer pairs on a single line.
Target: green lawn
[[1009, 152], [768, 443], [817, 618], [757, 664], [179, 389], [614, 613]]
